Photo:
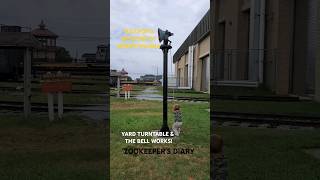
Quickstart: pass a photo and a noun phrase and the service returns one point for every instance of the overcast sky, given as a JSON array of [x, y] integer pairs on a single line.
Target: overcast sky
[[178, 16], [81, 24]]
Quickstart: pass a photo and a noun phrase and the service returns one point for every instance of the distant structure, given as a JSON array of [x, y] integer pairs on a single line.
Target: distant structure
[[6, 28], [124, 75], [100, 57], [47, 52], [88, 58], [114, 75], [150, 78]]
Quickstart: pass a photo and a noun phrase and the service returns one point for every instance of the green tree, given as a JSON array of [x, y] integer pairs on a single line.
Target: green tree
[[62, 55], [129, 78]]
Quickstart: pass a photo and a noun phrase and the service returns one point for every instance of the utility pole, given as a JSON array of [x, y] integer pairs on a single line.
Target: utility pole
[[164, 36]]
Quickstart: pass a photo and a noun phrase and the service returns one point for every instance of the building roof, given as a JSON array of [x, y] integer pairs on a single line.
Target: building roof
[[123, 71], [197, 34], [42, 31], [18, 39], [115, 74]]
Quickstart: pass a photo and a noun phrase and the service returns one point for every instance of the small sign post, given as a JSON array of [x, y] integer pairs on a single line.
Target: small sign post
[[127, 89], [56, 84]]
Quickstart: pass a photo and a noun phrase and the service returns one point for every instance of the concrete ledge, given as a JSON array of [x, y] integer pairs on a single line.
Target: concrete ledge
[[237, 83]]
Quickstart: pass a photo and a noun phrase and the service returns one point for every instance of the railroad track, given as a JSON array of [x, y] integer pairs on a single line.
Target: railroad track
[[256, 98], [272, 119], [13, 89], [43, 107], [171, 97], [233, 118], [214, 97], [240, 98]]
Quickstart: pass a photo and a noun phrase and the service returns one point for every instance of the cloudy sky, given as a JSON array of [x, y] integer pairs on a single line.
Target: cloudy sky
[[178, 16], [80, 24]]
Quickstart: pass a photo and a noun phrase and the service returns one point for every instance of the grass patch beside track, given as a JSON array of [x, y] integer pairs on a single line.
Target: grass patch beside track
[[270, 154]]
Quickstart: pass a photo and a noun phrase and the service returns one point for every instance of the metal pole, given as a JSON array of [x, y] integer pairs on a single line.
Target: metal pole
[[27, 83], [164, 36], [165, 127]]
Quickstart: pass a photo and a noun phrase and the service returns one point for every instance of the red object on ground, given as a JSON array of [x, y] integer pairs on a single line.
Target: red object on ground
[[127, 87], [56, 86]]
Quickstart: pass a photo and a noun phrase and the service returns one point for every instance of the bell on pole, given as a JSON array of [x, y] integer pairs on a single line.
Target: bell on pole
[[164, 35]]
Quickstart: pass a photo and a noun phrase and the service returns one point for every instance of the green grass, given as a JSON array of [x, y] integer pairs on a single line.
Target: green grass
[[293, 108], [270, 154], [73, 148], [137, 115]]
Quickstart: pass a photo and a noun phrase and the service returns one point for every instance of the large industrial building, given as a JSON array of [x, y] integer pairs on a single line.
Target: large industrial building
[[254, 43], [265, 43], [192, 60]]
